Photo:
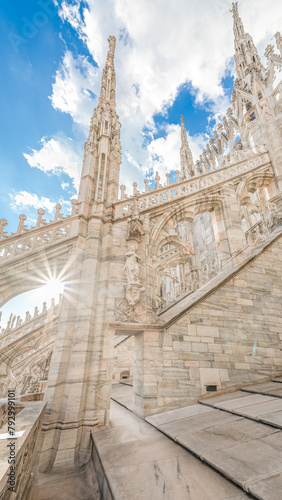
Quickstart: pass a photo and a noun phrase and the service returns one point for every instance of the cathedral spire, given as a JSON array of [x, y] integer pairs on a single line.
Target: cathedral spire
[[102, 153], [246, 55], [186, 156], [108, 85], [238, 27]]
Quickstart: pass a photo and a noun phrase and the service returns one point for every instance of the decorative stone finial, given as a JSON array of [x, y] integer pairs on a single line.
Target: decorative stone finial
[[123, 196], [40, 221], [58, 215], [21, 227], [3, 223], [135, 190]]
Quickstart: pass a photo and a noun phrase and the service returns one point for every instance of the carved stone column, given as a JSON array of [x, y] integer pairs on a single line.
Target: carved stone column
[[229, 234], [148, 372]]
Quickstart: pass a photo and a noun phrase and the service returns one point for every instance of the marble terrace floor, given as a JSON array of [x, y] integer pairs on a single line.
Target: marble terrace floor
[[141, 463], [227, 447]]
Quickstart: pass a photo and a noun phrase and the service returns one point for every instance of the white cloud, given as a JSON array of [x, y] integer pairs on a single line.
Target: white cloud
[[64, 185], [56, 156], [26, 202], [161, 45], [72, 93], [23, 200], [164, 152]]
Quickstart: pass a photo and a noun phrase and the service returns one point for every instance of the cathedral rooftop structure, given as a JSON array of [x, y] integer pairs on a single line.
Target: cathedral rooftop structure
[[173, 289]]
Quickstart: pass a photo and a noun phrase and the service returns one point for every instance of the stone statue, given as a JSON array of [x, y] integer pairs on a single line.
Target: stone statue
[[27, 316], [132, 267]]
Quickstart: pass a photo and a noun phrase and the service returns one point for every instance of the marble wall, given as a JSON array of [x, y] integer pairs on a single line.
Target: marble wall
[[231, 338]]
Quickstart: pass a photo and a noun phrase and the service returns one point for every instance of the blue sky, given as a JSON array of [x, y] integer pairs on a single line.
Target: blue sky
[[28, 67], [172, 57]]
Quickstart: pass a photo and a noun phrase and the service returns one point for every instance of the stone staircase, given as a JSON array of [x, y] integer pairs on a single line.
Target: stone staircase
[[238, 434]]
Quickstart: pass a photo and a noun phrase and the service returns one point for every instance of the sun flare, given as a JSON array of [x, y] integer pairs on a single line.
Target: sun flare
[[53, 288]]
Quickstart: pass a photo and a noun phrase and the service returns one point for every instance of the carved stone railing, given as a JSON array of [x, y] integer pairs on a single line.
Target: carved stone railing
[[28, 425], [172, 252], [190, 186], [47, 344], [19, 406], [176, 292], [22, 227], [19, 245], [198, 278], [39, 320], [42, 234], [256, 231]]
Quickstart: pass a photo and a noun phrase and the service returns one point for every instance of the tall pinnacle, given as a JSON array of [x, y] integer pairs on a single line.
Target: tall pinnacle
[[108, 85], [102, 153], [186, 157], [246, 55], [238, 27]]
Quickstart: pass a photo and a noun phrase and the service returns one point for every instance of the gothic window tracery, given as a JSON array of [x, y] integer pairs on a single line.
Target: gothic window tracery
[[189, 260]]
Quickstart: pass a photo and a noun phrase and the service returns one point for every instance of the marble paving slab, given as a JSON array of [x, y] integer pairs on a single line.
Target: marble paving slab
[[196, 423], [250, 461], [123, 394], [126, 401], [121, 390], [242, 402], [223, 436], [170, 416], [268, 489], [274, 418], [154, 467], [179, 478], [129, 381], [268, 388], [257, 410], [138, 451], [125, 433], [230, 396]]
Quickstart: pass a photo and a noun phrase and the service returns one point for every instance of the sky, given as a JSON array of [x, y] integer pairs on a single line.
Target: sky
[[172, 57]]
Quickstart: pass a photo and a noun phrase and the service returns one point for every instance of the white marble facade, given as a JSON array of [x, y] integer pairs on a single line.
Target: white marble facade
[[148, 265]]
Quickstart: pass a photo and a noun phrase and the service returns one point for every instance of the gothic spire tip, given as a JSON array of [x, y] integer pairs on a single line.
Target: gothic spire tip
[[234, 9], [112, 44]]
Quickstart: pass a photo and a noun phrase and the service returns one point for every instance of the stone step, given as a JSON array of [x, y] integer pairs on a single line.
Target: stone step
[[277, 379], [267, 388], [122, 394], [265, 409], [222, 432], [133, 460]]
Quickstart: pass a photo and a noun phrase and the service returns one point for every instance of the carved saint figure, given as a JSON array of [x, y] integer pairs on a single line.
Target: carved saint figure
[[132, 267]]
